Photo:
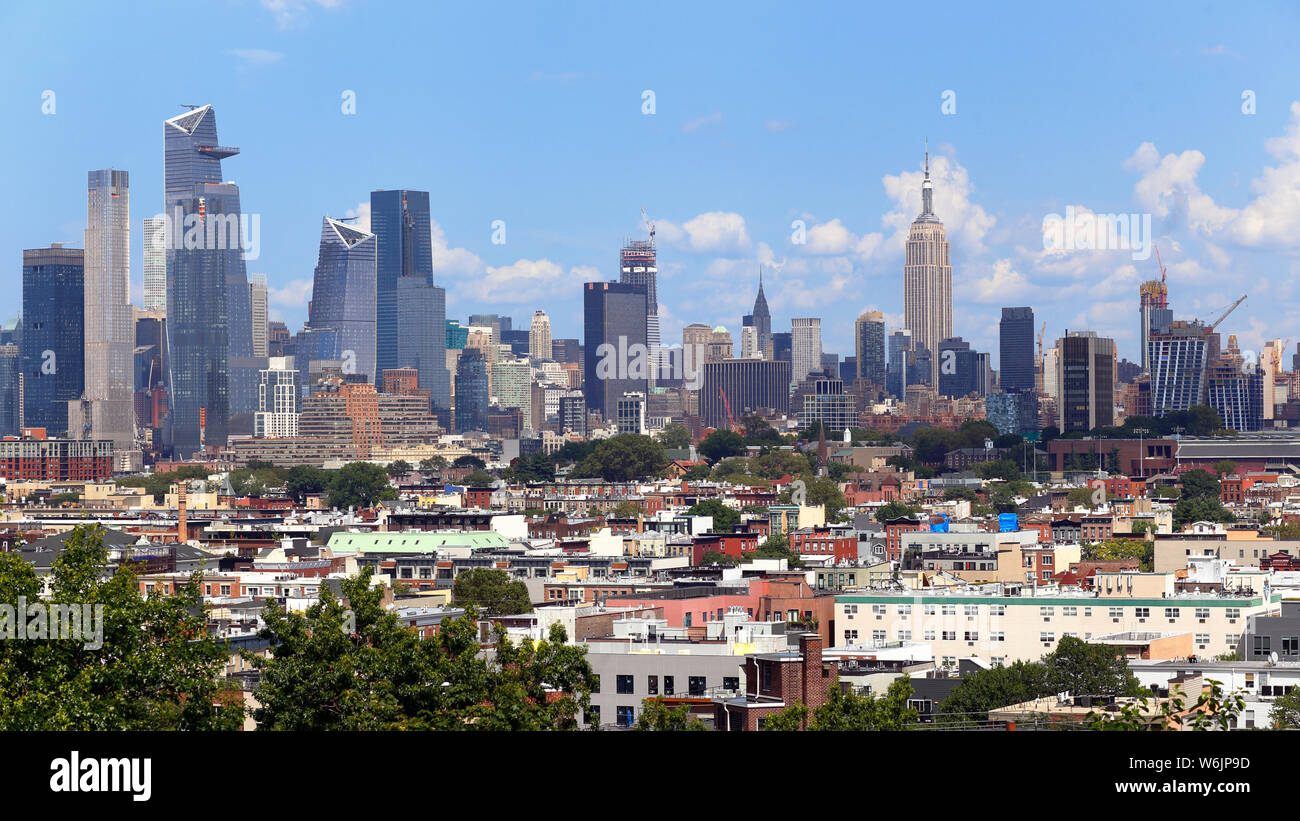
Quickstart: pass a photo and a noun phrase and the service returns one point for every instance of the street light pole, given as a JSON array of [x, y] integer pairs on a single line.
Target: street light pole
[[1142, 451]]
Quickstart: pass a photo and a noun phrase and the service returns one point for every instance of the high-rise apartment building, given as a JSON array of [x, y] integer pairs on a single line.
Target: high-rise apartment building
[[106, 407], [1176, 359], [630, 413], [472, 395], [343, 295], [257, 308], [53, 339], [1154, 315], [828, 403], [512, 386], [927, 278], [1085, 374], [11, 394], [278, 400], [539, 337], [154, 245], [869, 344], [805, 347]]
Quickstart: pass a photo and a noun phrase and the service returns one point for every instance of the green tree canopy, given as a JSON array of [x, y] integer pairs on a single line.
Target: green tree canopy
[[156, 667], [675, 437], [399, 467], [468, 461], [479, 479], [725, 518], [1200, 483], [623, 458], [356, 667], [721, 444], [491, 591], [896, 510], [658, 716], [305, 480], [850, 712]]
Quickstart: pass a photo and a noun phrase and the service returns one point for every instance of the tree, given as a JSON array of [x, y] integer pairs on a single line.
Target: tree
[[852, 712], [492, 591], [896, 510], [963, 493], [479, 479], [626, 510], [623, 458], [1113, 549], [535, 468], [359, 484], [141, 663], [469, 461], [1080, 668], [1200, 483], [675, 437], [305, 480], [1286, 711], [353, 666], [721, 444], [1213, 710], [1084, 496], [819, 490], [758, 432], [725, 518], [696, 473], [657, 715], [717, 557], [399, 467], [1200, 509], [1004, 469], [984, 690], [433, 464], [777, 546], [1225, 467]]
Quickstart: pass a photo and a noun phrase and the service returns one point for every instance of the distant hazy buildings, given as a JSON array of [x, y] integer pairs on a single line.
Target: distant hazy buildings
[[805, 347], [472, 394], [400, 222], [53, 339], [539, 337], [257, 307]]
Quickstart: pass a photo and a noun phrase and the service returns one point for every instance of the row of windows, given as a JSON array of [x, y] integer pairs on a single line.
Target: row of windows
[[1046, 611], [1202, 640], [695, 685]]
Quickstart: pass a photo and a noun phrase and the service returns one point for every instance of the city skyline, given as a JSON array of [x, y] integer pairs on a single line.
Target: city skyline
[[1209, 182]]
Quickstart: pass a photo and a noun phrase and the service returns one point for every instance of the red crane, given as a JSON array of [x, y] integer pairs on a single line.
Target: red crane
[[731, 420]]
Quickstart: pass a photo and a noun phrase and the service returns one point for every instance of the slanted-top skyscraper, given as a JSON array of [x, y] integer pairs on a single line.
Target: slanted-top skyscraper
[[927, 278], [762, 318], [209, 321], [343, 294]]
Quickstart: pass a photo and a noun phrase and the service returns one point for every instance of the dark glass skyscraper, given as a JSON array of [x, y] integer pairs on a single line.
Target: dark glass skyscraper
[[471, 391], [343, 294], [53, 339], [1016, 349], [616, 359], [869, 339], [404, 248], [422, 336], [209, 319]]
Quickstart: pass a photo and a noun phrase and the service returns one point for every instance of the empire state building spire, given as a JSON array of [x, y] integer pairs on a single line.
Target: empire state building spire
[[927, 190]]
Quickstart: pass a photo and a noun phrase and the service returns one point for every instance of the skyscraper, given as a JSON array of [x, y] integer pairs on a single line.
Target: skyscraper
[[901, 359], [1016, 349], [1153, 314], [762, 318], [106, 408], [805, 347], [638, 265], [209, 319], [1085, 376], [257, 307], [278, 396], [10, 391], [343, 295], [1177, 359], [869, 342], [751, 385], [155, 263], [401, 225], [927, 277], [615, 354], [539, 337], [959, 368], [422, 336], [471, 391], [53, 341]]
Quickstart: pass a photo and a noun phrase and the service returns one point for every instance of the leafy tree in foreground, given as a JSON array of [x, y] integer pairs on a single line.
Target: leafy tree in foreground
[[623, 458], [1286, 711], [380, 675], [157, 668], [1213, 709], [851, 712], [656, 715], [492, 591]]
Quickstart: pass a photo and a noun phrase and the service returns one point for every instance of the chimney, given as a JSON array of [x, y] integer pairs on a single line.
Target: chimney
[[182, 534], [814, 687]]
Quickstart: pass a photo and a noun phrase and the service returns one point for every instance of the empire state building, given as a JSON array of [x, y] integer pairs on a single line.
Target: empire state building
[[927, 279]]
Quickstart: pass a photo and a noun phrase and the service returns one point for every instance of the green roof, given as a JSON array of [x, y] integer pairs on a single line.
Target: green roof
[[410, 541]]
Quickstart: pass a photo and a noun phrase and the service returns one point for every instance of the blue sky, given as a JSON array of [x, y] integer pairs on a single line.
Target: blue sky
[[764, 114]]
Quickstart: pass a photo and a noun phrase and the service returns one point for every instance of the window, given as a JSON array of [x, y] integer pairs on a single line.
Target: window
[[1233, 612], [878, 609], [225, 590], [928, 635], [1142, 612], [1116, 612], [904, 635], [1047, 638], [878, 636], [998, 610], [1046, 612], [1203, 639], [950, 610], [972, 609], [624, 685], [1087, 612], [905, 610], [929, 609], [850, 635], [626, 716], [696, 685], [1202, 612], [999, 636], [686, 619], [668, 685], [652, 685], [1069, 611], [1290, 645], [1263, 645], [949, 635], [850, 610], [731, 682], [1171, 612], [999, 661], [972, 635]]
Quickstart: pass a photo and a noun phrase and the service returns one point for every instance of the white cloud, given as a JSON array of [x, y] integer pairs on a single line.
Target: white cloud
[[691, 126], [255, 57], [966, 223], [288, 13], [712, 232], [777, 126], [362, 215], [293, 295]]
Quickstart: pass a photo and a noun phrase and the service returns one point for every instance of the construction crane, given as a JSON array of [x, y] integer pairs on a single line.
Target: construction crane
[[1041, 334], [731, 419], [1160, 264], [1224, 316], [648, 224]]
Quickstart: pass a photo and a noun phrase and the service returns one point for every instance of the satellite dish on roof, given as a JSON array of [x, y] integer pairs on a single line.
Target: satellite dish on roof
[[1272, 657]]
